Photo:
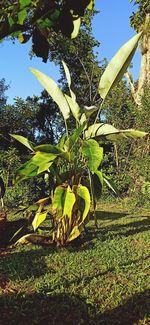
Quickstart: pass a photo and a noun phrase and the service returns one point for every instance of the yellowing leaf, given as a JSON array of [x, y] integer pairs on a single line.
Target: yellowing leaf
[[84, 195], [38, 219]]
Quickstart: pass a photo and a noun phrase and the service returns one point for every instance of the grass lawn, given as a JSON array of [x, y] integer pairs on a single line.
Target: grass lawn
[[102, 278]]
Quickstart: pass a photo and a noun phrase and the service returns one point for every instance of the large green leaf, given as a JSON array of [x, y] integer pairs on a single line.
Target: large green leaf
[[111, 133], [40, 162], [38, 219], [63, 201], [68, 202], [84, 197], [74, 107], [23, 140], [118, 66], [54, 91], [93, 154], [28, 169]]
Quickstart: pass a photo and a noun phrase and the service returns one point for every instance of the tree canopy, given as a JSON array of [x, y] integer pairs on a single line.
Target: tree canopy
[[37, 19]]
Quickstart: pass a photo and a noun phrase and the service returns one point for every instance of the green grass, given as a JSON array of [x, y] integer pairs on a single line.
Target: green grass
[[102, 278]]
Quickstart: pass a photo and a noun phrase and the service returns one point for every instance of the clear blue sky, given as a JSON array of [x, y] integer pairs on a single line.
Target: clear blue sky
[[111, 27]]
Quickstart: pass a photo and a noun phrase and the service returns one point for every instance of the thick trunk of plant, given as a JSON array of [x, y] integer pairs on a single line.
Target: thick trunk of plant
[[144, 77]]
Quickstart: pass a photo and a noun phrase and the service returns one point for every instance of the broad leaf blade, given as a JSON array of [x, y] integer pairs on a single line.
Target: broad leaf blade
[[38, 219], [84, 197], [68, 202], [109, 132], [23, 140], [93, 154], [54, 91], [117, 66], [74, 107]]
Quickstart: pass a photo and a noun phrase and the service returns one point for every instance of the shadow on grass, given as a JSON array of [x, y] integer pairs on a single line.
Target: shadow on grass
[[107, 215], [10, 229], [69, 309], [25, 263]]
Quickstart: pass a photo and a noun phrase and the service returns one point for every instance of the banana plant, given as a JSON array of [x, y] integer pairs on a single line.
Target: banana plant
[[78, 154]]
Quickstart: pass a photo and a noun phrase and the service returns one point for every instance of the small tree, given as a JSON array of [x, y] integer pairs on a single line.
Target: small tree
[[77, 154]]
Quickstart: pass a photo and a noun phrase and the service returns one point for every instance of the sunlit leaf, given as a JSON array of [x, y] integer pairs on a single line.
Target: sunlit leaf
[[54, 91], [76, 27], [63, 201], [93, 154], [68, 202], [76, 231], [84, 195], [38, 219], [42, 168], [23, 140], [91, 4], [118, 66], [74, 107], [109, 132]]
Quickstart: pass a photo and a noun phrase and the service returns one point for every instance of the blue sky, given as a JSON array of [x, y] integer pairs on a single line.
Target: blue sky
[[111, 27]]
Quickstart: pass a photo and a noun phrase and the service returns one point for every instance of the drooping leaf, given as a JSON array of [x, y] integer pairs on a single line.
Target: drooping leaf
[[63, 201], [76, 28], [76, 232], [38, 219], [118, 66], [68, 202], [109, 132], [54, 91], [58, 201], [23, 140], [84, 197], [93, 154]]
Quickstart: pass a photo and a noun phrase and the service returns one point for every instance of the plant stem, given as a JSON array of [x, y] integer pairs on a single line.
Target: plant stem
[[93, 198]]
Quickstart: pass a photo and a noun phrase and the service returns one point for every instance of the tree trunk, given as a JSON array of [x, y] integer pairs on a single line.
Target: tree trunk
[[144, 78]]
